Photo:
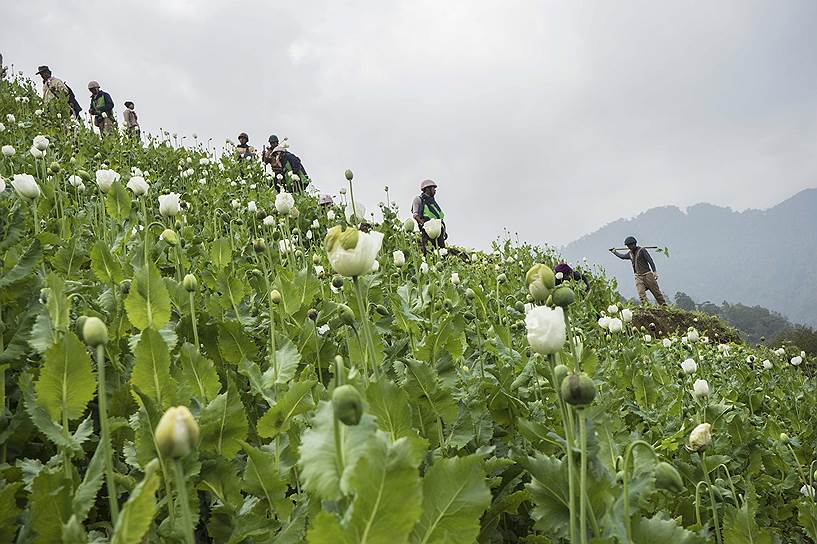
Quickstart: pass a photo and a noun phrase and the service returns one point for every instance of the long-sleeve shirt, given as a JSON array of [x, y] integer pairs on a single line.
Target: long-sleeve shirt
[[641, 260], [131, 121], [54, 88]]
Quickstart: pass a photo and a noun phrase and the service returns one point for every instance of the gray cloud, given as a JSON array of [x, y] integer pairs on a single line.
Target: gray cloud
[[548, 118]]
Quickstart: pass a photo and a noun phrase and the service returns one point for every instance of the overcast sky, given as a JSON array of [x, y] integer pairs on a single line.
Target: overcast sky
[[549, 119]]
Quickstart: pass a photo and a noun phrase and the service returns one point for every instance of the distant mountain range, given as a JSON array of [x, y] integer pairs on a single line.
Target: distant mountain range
[[755, 257]]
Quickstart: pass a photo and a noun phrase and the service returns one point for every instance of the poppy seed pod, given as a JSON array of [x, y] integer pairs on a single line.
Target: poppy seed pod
[[94, 332], [578, 390], [177, 432], [563, 296], [337, 281], [348, 404], [312, 314], [190, 283]]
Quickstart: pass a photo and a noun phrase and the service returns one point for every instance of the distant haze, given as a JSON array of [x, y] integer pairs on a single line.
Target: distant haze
[[545, 118]]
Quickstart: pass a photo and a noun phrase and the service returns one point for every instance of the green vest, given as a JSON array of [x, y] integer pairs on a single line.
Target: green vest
[[431, 210]]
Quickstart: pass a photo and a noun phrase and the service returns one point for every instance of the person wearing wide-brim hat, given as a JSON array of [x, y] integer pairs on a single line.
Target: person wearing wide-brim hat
[[646, 276], [424, 208], [56, 90]]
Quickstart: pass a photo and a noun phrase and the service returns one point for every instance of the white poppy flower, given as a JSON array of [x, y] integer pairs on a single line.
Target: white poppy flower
[[106, 178], [666, 342], [269, 221], [689, 366], [455, 278], [25, 185], [169, 204], [612, 309], [399, 258], [796, 360], [352, 252], [36, 153], [626, 315], [284, 202], [767, 364], [433, 228], [546, 329], [252, 207], [138, 185], [41, 142], [700, 437], [700, 389], [615, 324], [8, 151]]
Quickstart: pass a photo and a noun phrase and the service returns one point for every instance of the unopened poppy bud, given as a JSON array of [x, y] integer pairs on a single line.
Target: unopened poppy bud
[[316, 259], [177, 432], [259, 245], [348, 404], [347, 316], [784, 438], [55, 167], [190, 283], [349, 175], [169, 237], [275, 296], [124, 287], [94, 332], [667, 477]]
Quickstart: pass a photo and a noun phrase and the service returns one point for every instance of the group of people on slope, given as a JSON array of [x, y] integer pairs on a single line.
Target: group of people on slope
[[101, 108], [283, 163]]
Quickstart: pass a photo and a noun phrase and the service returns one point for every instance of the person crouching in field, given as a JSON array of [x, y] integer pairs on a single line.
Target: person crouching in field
[[646, 277]]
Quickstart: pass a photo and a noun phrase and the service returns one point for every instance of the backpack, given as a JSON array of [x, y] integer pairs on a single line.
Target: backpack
[[72, 101]]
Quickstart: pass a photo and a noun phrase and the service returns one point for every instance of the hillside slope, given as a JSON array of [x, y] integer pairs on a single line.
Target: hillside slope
[[756, 257]]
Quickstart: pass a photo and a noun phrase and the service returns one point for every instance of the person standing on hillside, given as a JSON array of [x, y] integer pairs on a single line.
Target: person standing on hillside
[[424, 208], [646, 277], [287, 165], [131, 121], [102, 110], [55, 89]]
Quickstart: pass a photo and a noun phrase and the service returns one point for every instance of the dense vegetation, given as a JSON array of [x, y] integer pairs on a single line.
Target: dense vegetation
[[756, 324], [182, 361]]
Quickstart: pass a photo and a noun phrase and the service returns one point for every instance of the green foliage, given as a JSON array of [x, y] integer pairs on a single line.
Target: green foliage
[[455, 496], [224, 424], [136, 516], [148, 302], [66, 383], [462, 436], [151, 371]]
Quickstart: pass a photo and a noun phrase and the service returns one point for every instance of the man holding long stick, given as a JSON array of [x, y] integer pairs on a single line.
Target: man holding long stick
[[646, 277]]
